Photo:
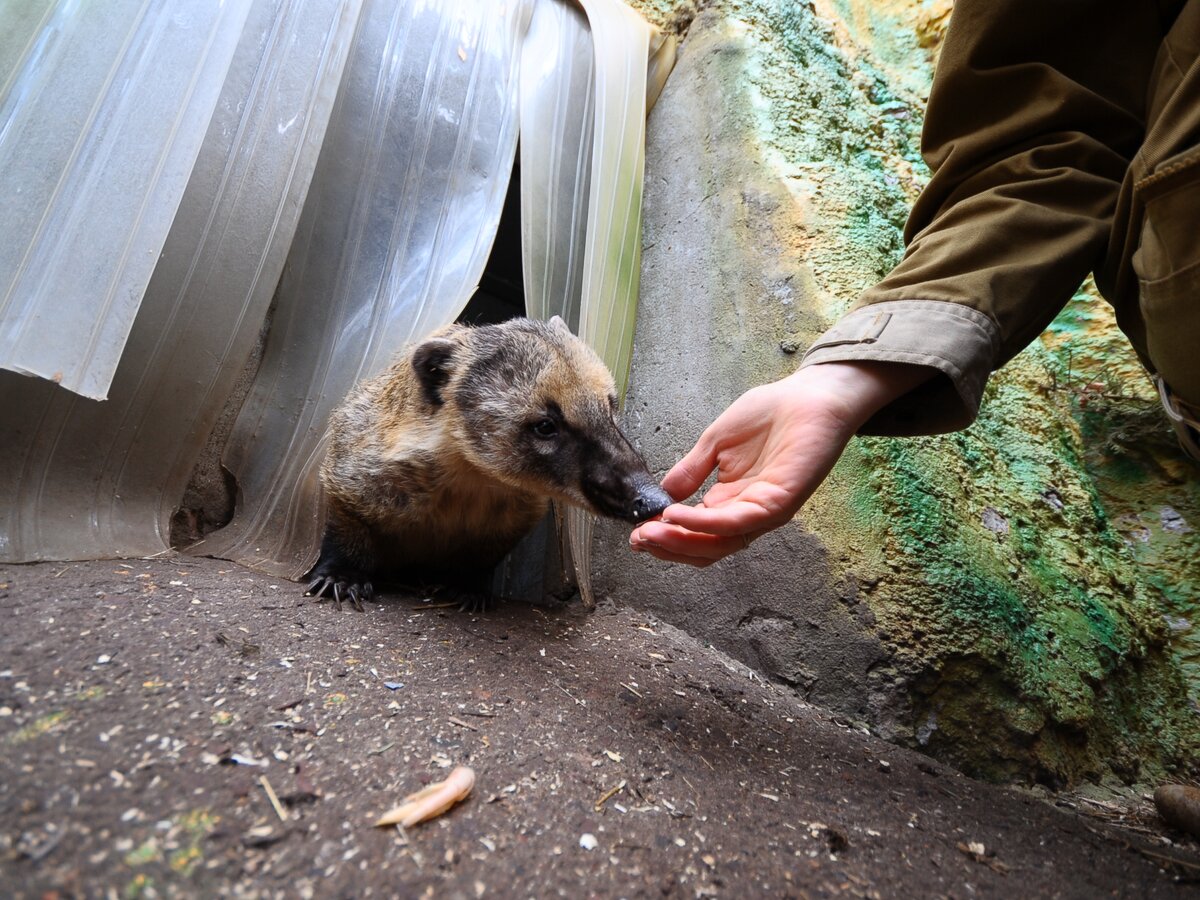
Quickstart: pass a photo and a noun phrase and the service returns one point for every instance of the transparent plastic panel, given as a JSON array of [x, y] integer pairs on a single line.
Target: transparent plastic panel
[[20, 25], [393, 238], [557, 118], [662, 61], [104, 108], [556, 113], [81, 478], [612, 265], [558, 97]]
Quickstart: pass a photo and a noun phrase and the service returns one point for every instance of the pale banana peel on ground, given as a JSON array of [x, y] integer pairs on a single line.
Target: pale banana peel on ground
[[431, 801]]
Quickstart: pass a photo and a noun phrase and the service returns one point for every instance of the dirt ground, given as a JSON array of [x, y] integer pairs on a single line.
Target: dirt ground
[[149, 709]]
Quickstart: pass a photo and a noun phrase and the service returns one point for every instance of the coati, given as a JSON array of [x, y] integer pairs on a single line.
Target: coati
[[438, 466]]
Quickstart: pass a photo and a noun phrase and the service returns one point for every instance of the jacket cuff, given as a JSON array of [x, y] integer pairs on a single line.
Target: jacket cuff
[[959, 342]]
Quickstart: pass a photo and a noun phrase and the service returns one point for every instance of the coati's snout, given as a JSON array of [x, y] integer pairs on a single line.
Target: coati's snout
[[621, 487], [647, 501], [651, 500]]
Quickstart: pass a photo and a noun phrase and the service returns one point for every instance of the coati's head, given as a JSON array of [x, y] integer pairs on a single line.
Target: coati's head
[[533, 406]]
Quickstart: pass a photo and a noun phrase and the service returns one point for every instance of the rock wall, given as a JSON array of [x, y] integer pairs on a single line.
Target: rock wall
[[983, 595]]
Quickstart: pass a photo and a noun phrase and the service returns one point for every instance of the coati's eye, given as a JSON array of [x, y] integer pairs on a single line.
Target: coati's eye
[[545, 428]]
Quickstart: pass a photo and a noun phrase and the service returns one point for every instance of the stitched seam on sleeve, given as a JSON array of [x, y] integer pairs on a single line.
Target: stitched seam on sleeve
[[842, 334]]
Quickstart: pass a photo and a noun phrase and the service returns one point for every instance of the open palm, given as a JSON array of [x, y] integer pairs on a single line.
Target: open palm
[[771, 449]]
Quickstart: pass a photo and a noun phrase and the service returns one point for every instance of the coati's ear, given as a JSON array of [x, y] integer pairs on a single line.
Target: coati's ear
[[557, 322], [433, 362]]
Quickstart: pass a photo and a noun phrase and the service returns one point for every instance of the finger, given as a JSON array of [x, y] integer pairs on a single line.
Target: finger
[[731, 519], [659, 536], [687, 475], [723, 492]]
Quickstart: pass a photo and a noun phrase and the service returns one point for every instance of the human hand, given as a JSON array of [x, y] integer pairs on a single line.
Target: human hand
[[771, 448]]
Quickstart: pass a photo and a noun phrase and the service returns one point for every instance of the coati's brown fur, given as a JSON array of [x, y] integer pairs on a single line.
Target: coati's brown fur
[[438, 466]]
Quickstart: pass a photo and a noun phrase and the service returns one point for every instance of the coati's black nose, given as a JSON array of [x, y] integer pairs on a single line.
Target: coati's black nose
[[650, 501]]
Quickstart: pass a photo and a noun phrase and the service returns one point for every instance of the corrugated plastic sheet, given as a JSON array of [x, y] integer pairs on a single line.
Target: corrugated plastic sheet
[[103, 108], [392, 241], [589, 75], [393, 237], [612, 262], [81, 478], [662, 61], [557, 119]]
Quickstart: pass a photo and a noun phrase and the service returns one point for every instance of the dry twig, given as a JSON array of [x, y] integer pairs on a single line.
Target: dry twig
[[279, 810]]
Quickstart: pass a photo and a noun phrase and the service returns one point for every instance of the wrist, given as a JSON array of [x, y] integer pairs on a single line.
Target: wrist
[[860, 388]]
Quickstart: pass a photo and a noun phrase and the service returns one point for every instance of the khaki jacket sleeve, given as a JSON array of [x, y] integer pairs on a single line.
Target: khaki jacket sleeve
[[1035, 112]]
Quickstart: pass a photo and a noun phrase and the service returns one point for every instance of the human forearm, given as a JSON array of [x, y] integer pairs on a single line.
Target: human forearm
[[1029, 134]]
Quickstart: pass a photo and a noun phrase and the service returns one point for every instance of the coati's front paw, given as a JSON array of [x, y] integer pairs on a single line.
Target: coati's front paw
[[339, 585], [476, 602]]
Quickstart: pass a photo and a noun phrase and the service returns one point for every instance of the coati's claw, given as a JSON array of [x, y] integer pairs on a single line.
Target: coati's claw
[[317, 587], [477, 602], [339, 589]]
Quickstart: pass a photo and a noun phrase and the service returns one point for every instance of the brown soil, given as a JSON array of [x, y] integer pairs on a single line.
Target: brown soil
[[146, 706]]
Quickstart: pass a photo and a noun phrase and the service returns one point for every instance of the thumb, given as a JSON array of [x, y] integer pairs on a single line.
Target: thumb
[[687, 475]]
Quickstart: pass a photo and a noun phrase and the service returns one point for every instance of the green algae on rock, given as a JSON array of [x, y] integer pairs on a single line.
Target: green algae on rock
[[1149, 489]]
